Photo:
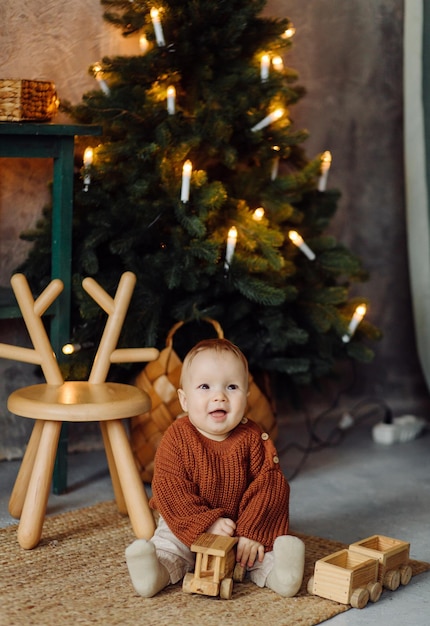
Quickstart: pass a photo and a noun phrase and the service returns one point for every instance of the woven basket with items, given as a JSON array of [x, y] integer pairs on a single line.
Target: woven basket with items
[[27, 100], [160, 379]]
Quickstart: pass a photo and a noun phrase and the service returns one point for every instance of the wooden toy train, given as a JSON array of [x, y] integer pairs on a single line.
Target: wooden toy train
[[358, 574]]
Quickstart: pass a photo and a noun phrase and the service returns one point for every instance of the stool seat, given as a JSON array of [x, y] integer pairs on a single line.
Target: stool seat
[[79, 401]]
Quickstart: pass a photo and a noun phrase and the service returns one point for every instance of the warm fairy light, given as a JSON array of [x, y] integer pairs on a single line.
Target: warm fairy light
[[297, 240], [269, 119], [70, 348], [358, 315], [88, 156], [143, 44], [278, 63], [171, 98], [325, 168], [275, 164], [264, 67], [231, 245], [258, 214], [158, 29], [186, 178], [98, 75], [88, 160], [290, 32]]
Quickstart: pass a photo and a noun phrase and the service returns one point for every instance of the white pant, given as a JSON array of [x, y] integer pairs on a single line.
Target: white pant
[[178, 559]]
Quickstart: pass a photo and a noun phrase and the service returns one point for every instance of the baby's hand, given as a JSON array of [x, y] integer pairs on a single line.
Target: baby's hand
[[248, 550], [222, 526]]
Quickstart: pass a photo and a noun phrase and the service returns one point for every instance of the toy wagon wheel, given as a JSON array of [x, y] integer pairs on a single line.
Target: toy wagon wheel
[[405, 574], [226, 588], [359, 598], [392, 579], [375, 590], [310, 585], [239, 573], [186, 583]]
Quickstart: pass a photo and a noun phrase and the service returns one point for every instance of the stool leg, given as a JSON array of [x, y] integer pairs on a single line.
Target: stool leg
[[36, 500], [119, 496], [19, 491], [140, 514]]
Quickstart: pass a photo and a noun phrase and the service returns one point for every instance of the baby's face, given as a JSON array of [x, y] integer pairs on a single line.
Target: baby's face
[[214, 393]]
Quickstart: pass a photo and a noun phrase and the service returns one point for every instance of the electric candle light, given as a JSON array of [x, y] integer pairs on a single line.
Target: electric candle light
[[264, 67], [297, 240], [158, 29], [269, 119], [88, 159], [97, 69], [231, 244], [358, 315], [290, 32], [275, 164], [325, 167], [143, 44], [258, 214], [186, 177], [278, 63], [171, 97]]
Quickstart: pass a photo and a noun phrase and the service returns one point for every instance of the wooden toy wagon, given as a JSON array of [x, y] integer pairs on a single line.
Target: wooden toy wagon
[[216, 567], [347, 577], [392, 556]]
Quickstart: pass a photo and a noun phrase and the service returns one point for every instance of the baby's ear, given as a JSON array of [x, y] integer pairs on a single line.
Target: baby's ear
[[182, 399]]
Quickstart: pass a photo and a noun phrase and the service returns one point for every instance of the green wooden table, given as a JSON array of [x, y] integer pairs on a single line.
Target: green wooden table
[[57, 142]]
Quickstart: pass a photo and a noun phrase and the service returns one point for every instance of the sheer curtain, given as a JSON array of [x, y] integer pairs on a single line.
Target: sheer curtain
[[416, 91]]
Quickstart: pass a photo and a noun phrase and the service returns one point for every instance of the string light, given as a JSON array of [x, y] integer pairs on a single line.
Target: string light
[[275, 164], [358, 315], [231, 245], [290, 32], [297, 240], [278, 63], [88, 160], [269, 119], [158, 29], [258, 214], [264, 67], [143, 44], [98, 75], [325, 168], [171, 99], [186, 178]]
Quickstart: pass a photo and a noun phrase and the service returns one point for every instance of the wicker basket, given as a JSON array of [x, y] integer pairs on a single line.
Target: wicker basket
[[160, 379], [27, 100]]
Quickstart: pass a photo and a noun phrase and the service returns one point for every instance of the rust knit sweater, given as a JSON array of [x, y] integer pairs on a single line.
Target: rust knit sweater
[[197, 480]]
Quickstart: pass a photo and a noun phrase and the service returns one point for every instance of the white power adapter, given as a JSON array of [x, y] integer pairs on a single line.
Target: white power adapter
[[401, 429]]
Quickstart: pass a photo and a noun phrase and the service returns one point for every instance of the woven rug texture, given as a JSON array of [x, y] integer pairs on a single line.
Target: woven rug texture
[[78, 575]]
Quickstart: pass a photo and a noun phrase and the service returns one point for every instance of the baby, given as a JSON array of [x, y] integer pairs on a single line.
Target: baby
[[217, 472]]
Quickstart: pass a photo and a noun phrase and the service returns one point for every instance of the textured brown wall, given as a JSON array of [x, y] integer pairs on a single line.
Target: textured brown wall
[[349, 57]]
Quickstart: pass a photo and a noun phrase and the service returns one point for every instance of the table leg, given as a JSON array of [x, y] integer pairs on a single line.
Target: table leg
[[135, 497], [36, 500], [19, 491]]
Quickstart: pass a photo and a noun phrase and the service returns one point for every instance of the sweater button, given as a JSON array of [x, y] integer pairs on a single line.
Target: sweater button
[[265, 436], [276, 459]]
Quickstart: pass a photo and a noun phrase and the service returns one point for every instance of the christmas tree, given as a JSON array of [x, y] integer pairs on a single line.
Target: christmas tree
[[201, 186]]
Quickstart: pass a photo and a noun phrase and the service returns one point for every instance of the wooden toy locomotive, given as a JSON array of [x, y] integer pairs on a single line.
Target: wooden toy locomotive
[[216, 567]]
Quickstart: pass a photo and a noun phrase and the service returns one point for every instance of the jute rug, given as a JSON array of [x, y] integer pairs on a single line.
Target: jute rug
[[78, 575]]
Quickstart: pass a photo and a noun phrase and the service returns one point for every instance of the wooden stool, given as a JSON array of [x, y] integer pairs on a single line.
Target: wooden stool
[[57, 401]]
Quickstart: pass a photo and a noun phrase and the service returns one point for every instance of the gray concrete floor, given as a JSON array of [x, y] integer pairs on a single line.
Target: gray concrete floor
[[346, 492]]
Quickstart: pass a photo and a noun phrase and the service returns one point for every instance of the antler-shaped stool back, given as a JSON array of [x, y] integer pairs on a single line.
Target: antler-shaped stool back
[[58, 401]]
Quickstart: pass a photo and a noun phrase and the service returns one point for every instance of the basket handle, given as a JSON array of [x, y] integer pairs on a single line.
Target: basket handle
[[209, 320]]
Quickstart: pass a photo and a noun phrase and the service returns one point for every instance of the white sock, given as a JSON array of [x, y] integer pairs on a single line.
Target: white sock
[[289, 562], [147, 574]]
